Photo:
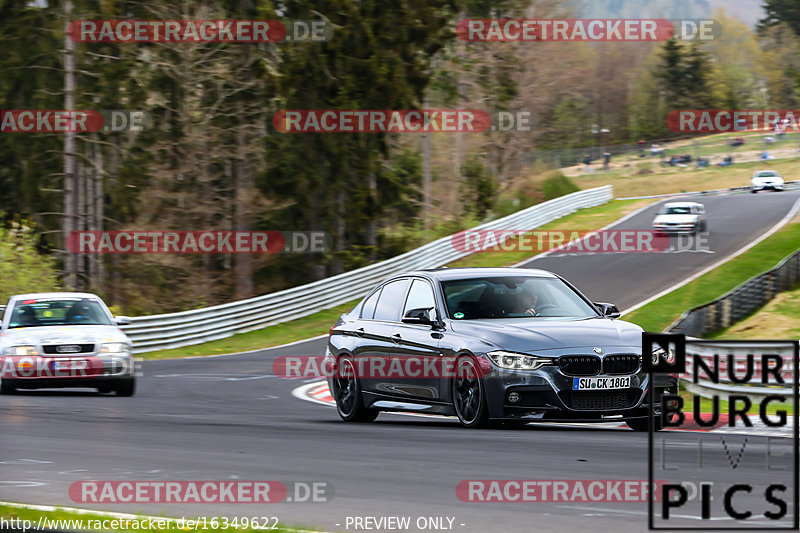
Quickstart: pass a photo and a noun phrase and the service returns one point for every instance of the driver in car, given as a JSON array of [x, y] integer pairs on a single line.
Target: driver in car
[[527, 302]]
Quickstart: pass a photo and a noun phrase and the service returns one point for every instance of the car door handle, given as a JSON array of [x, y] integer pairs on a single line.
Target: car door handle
[[396, 337]]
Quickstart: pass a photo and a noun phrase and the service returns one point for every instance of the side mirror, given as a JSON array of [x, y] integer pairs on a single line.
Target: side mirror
[[608, 310], [122, 320], [421, 315]]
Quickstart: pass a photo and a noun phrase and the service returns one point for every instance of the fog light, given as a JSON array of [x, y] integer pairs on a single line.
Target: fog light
[[513, 397]]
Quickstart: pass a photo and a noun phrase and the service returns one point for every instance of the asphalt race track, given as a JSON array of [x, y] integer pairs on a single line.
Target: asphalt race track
[[230, 417]]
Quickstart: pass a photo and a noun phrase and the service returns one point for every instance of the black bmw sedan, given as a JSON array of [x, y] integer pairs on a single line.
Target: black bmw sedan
[[490, 345]]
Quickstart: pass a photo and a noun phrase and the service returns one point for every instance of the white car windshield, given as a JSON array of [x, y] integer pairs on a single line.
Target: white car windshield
[[513, 297], [58, 312], [767, 174], [677, 210]]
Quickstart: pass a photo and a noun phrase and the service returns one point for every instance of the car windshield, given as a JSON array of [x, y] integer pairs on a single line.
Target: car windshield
[[767, 174], [513, 297], [58, 312], [677, 210]]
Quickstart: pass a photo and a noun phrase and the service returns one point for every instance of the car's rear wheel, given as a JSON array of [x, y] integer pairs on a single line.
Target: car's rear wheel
[[347, 394], [469, 396], [125, 387]]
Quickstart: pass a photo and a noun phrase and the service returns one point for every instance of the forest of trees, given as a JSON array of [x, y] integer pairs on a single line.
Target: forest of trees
[[212, 159]]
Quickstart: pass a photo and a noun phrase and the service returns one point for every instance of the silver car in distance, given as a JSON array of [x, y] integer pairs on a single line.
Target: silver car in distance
[[681, 217]]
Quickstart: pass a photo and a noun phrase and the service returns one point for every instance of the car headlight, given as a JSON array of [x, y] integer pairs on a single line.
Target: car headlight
[[21, 350], [661, 353], [518, 361], [113, 347]]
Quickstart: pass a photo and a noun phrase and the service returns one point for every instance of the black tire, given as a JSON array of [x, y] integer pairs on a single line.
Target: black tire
[[347, 394], [469, 395], [6, 387], [125, 387], [753, 191]]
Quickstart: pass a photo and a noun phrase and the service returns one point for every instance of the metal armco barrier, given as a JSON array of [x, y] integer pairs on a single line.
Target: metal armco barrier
[[173, 330], [738, 351], [740, 302]]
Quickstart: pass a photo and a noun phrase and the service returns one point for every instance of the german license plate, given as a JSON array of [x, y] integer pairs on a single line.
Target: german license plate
[[603, 383], [69, 364]]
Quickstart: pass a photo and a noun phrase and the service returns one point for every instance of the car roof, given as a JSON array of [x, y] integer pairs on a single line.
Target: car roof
[[681, 204], [477, 272], [37, 295]]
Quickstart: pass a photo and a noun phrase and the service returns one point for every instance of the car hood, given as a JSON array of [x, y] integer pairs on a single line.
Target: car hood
[[62, 335], [675, 219], [535, 335]]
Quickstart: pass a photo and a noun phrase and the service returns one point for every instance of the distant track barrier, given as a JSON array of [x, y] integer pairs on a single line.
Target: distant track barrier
[[185, 328]]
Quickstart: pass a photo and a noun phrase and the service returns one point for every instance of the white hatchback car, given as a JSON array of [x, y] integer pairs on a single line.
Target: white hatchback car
[[766, 180], [64, 339]]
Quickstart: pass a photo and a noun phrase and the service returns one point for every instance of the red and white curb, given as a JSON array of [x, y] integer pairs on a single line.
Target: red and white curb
[[318, 392]]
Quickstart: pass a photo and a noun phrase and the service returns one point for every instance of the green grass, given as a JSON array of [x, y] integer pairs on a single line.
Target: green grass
[[592, 218], [659, 314], [294, 330], [779, 319], [89, 519]]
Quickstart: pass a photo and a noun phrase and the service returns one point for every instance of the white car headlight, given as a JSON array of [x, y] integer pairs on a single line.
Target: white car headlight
[[518, 361], [21, 350], [113, 347], [660, 353]]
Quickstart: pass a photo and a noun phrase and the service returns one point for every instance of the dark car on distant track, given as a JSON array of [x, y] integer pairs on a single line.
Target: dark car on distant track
[[490, 345]]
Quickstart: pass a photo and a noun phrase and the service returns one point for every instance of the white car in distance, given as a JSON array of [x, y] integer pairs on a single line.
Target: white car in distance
[[681, 217]]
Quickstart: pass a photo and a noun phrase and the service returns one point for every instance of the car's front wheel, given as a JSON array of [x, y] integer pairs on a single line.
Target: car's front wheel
[[347, 394], [6, 387], [469, 395], [125, 387]]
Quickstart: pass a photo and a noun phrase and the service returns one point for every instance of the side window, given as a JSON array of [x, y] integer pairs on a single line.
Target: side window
[[420, 295], [368, 309], [391, 301]]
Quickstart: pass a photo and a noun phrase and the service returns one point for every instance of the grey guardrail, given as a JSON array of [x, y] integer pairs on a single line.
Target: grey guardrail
[[740, 302], [173, 330]]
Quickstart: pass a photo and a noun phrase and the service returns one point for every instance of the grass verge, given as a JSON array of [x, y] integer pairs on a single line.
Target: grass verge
[[592, 218], [648, 177], [660, 313], [779, 319], [66, 520]]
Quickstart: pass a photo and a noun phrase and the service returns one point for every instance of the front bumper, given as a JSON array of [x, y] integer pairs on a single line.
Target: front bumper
[[768, 187], [86, 370], [546, 394], [676, 229]]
